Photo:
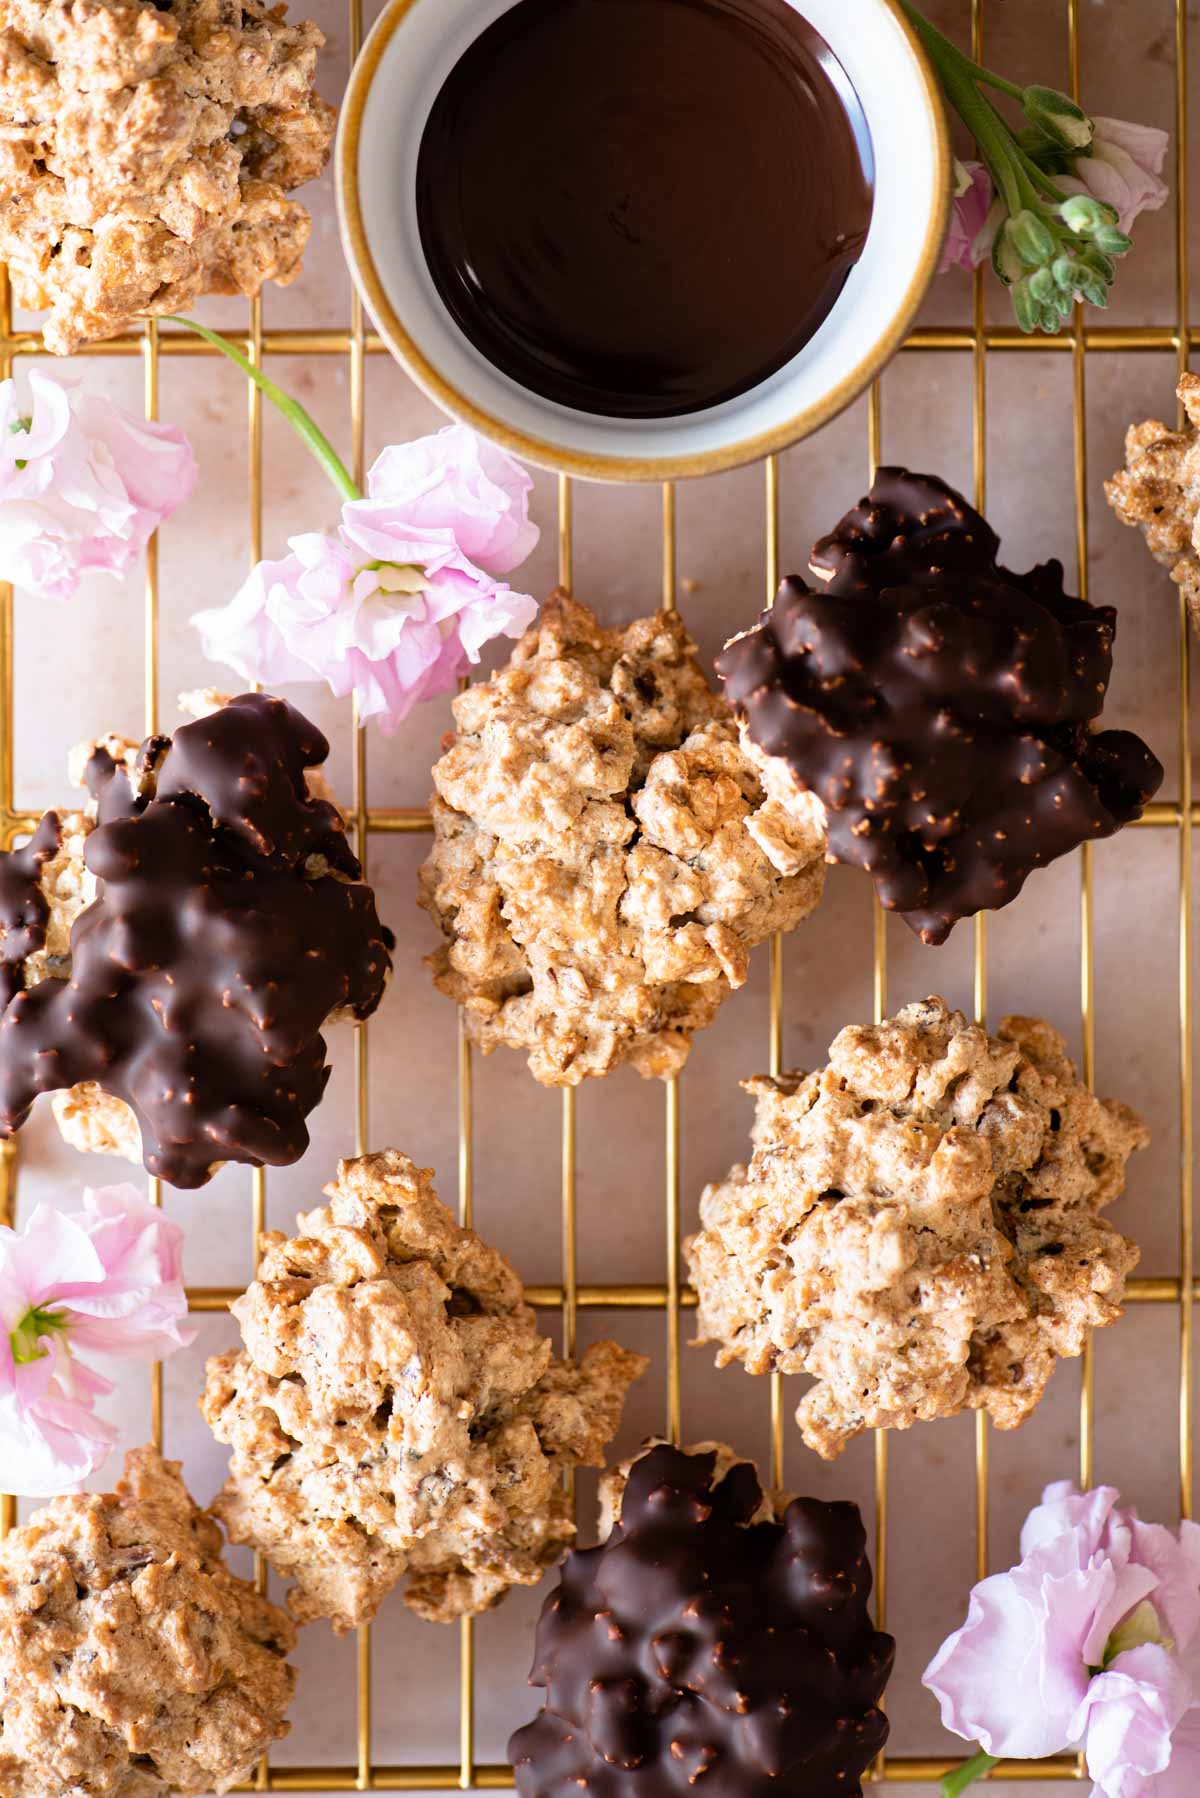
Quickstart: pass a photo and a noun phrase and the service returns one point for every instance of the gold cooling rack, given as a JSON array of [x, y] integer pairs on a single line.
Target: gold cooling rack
[[671, 1297]]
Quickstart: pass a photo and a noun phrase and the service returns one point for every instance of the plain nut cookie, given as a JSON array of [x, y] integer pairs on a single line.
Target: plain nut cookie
[[1159, 490], [604, 859], [919, 1225], [132, 1662], [394, 1411], [147, 149]]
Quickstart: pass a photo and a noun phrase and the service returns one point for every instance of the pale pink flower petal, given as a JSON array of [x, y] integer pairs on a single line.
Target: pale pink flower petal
[[245, 635], [1127, 1720], [51, 1446], [1123, 169], [456, 481], [1181, 1778], [139, 1306], [964, 247], [108, 1279], [1008, 1679], [83, 486]]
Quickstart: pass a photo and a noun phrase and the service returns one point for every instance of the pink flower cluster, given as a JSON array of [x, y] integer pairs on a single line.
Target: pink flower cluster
[[1122, 166], [83, 484], [396, 602], [1092, 1642], [105, 1280]]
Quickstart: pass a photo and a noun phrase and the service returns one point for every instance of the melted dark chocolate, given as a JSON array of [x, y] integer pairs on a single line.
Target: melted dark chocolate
[[696, 1650], [643, 207], [213, 953], [24, 911], [939, 705]]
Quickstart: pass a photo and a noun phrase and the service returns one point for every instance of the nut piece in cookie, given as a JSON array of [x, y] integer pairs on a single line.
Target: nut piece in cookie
[[918, 1227], [218, 920], [720, 1638], [937, 706], [1159, 490], [133, 1663], [603, 858], [394, 1412], [147, 149]]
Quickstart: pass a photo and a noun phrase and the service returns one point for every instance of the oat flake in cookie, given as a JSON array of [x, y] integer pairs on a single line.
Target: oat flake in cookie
[[173, 953], [937, 706], [147, 151], [918, 1227], [394, 1413], [604, 857], [719, 1640], [133, 1664]]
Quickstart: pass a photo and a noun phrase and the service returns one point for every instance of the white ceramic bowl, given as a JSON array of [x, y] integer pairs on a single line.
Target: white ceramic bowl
[[410, 52]]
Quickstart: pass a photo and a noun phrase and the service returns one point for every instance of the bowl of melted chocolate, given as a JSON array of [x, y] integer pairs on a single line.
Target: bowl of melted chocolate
[[640, 239]]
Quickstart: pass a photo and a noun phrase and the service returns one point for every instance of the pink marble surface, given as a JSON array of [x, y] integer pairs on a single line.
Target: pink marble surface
[[80, 672]]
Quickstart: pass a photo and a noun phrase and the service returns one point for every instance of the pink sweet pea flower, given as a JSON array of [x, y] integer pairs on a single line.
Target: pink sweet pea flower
[[83, 484], [458, 482], [107, 1279], [1091, 1642], [1123, 167], [396, 603], [967, 242]]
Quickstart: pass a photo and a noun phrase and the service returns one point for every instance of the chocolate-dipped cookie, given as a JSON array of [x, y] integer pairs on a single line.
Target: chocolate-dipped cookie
[[939, 706], [720, 1637], [228, 921]]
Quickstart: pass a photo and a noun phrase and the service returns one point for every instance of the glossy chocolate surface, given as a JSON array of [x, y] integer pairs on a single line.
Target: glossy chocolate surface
[[640, 208], [696, 1650], [214, 951], [939, 705]]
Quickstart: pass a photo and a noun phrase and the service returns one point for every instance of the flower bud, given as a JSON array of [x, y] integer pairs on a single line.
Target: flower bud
[[1031, 238], [1005, 260], [1025, 306], [1082, 213], [1095, 258], [1111, 241], [1042, 287], [1067, 272], [1057, 117]]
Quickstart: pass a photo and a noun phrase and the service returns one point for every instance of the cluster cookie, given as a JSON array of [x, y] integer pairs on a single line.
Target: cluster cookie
[[147, 150], [937, 706], [919, 1226], [1159, 490], [394, 1412], [719, 1638], [604, 856], [132, 1662], [171, 954]]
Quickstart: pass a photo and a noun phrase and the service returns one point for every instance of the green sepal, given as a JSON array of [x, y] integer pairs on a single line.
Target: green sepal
[[1031, 238]]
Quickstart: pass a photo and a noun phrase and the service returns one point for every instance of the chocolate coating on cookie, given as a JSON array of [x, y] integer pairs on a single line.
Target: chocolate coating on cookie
[[699, 1647], [939, 705], [24, 910], [218, 944]]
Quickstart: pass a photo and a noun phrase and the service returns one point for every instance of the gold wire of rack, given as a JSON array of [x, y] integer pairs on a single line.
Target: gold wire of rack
[[672, 1297]]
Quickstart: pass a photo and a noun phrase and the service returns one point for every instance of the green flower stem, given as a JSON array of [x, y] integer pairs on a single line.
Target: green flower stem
[[958, 1781], [304, 426], [978, 114], [990, 79]]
